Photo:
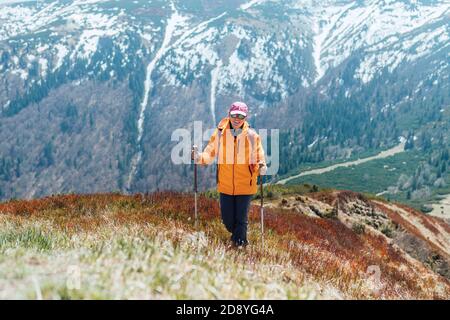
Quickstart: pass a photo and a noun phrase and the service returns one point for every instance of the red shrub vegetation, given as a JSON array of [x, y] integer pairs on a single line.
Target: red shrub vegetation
[[324, 248]]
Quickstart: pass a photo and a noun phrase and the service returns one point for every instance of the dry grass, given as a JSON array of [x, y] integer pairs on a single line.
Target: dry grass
[[146, 246]]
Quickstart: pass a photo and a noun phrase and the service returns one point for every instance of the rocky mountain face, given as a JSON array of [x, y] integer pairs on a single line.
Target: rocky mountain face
[[91, 90]]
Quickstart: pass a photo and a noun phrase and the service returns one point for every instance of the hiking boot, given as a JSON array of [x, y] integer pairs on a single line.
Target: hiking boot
[[230, 243], [241, 244]]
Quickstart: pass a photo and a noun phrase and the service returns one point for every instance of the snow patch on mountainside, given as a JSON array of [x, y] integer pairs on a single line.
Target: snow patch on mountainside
[[378, 28], [198, 53], [342, 29], [323, 26], [215, 74], [23, 74], [61, 53], [79, 17], [43, 64], [172, 24], [30, 17], [417, 46], [250, 4], [13, 20]]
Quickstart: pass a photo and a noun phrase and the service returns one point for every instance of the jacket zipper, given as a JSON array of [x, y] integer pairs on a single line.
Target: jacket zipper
[[251, 175], [234, 160]]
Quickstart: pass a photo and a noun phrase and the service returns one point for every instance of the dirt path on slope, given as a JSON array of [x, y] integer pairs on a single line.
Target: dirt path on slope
[[383, 154]]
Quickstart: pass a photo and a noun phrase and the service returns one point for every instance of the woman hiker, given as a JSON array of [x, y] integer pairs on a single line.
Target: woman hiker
[[240, 159]]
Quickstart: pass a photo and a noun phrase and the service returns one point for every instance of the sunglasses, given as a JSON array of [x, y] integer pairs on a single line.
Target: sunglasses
[[240, 116]]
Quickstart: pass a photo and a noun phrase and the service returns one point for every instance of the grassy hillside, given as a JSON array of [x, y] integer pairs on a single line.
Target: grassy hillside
[[378, 176], [146, 247], [372, 177]]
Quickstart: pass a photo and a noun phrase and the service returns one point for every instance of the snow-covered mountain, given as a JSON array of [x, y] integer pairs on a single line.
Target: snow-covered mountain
[[90, 90]]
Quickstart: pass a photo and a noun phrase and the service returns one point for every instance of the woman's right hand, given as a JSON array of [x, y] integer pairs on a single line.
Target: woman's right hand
[[194, 153]]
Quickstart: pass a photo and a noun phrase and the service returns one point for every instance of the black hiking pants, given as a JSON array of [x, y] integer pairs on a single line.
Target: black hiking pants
[[234, 211]]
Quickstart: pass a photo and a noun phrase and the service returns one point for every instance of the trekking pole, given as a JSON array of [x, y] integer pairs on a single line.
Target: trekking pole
[[195, 188], [262, 210]]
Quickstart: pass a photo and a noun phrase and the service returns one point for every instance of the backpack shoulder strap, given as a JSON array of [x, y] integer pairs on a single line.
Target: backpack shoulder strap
[[219, 136], [252, 136]]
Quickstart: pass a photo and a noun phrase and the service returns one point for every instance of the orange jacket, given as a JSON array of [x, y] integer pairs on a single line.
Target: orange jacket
[[237, 158]]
